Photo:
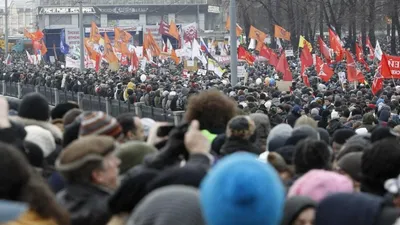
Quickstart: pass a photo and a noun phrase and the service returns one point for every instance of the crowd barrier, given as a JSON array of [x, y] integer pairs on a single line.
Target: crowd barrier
[[90, 102]]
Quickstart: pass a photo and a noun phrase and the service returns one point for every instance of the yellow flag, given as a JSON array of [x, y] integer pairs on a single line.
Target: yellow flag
[[303, 41]]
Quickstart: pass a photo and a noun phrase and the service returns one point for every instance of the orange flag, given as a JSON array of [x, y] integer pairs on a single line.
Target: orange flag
[[94, 33], [89, 48], [35, 36], [173, 31], [228, 27], [150, 43], [280, 32], [43, 48], [120, 41], [258, 35], [134, 61], [175, 57], [109, 54]]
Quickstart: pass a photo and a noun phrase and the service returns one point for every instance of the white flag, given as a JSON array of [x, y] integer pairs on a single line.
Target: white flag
[[378, 51], [196, 52], [278, 42], [252, 44]]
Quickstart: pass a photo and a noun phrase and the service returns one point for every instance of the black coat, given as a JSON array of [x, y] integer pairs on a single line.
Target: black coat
[[236, 145], [87, 204]]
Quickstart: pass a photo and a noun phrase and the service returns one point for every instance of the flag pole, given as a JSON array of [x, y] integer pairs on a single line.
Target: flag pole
[[6, 27], [233, 64], [81, 35]]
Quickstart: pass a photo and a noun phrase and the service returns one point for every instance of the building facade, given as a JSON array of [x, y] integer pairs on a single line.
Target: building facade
[[127, 13]]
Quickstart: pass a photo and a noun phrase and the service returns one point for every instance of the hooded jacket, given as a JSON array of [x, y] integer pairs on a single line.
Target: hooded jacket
[[294, 206]]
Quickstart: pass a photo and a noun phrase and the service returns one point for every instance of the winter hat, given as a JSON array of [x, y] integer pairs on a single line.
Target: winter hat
[[351, 165], [34, 106], [287, 153], [317, 184], [294, 207], [70, 116], [10, 211], [61, 109], [99, 123], [380, 133], [263, 128], [42, 138], [354, 209], [307, 131], [314, 112], [384, 115], [242, 190], [324, 135], [84, 150], [368, 118], [335, 115], [281, 132], [340, 136], [178, 205], [132, 153], [147, 124], [311, 154]]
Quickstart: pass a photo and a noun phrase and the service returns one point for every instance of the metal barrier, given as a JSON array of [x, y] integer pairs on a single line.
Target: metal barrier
[[91, 102]]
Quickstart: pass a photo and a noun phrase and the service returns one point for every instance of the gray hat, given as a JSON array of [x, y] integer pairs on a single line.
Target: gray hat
[[175, 204]]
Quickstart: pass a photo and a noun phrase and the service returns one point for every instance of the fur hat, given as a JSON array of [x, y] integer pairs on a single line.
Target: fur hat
[[242, 190], [83, 150], [99, 123], [317, 184], [34, 106], [42, 138]]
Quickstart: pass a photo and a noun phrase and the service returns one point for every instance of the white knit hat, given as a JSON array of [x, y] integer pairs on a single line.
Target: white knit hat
[[42, 138]]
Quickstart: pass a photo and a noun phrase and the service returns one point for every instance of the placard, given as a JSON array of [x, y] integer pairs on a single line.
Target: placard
[[241, 71], [283, 85], [202, 72], [289, 53]]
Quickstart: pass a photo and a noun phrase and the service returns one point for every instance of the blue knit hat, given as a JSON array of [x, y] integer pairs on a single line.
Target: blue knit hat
[[240, 190]]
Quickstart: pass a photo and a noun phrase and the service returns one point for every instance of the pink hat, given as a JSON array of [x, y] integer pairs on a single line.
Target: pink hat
[[318, 184]]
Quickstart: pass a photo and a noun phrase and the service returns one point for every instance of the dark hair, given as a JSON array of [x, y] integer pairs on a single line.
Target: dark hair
[[127, 122], [211, 108], [20, 183], [311, 154], [380, 162]]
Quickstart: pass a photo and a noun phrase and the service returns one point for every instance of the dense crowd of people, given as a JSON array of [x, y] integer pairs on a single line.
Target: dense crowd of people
[[245, 154]]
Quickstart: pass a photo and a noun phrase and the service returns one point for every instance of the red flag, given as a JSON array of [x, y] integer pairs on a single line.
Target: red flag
[[385, 70], [353, 74], [283, 67], [265, 52], [323, 70], [360, 56], [304, 76], [306, 57], [273, 60], [336, 45], [245, 55], [377, 84], [371, 49], [323, 48]]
